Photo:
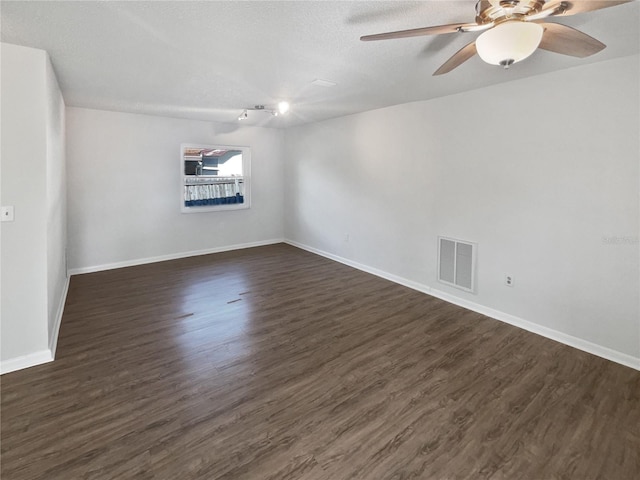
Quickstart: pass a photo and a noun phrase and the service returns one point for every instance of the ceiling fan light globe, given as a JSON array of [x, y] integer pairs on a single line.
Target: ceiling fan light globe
[[510, 41]]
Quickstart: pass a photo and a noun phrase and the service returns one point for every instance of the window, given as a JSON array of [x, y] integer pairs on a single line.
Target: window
[[214, 177]]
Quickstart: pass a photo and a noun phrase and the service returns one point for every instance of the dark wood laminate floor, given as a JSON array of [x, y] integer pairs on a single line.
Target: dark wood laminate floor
[[273, 363]]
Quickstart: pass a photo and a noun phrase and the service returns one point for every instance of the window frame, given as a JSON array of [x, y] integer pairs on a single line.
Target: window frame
[[246, 178]]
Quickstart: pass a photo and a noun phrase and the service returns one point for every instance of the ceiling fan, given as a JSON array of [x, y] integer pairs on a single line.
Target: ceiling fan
[[513, 30]]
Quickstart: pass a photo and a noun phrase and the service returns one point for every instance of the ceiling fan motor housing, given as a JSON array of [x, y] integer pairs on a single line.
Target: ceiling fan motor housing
[[496, 10]]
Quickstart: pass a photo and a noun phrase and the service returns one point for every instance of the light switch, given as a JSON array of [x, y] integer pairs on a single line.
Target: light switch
[[7, 214]]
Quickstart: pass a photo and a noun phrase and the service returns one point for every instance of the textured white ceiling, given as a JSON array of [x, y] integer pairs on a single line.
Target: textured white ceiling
[[209, 60]]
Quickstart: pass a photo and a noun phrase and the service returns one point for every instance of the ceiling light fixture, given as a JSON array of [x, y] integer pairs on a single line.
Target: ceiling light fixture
[[509, 42], [281, 109]]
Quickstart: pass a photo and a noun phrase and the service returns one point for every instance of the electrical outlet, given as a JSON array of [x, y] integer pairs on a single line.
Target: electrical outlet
[[346, 237], [7, 214], [508, 280]]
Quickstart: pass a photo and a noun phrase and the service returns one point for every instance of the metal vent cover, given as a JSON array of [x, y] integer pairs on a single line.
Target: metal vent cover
[[457, 263]]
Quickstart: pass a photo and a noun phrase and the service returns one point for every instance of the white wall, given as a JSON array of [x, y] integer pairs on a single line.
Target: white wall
[[541, 173], [56, 233], [124, 188], [33, 282]]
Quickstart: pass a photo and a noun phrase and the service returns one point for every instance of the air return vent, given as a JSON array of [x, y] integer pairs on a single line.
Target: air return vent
[[457, 263]]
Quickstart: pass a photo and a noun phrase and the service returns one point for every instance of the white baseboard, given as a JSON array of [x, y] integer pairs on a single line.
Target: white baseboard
[[43, 356], [25, 361], [53, 335], [171, 256], [570, 340]]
